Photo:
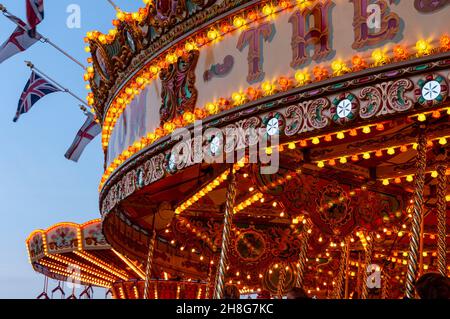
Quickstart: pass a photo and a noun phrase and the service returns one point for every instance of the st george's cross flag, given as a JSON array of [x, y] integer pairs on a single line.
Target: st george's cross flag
[[85, 135], [21, 39], [35, 89], [35, 12]]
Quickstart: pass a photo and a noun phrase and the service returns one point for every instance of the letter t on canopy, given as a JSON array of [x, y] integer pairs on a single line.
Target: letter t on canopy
[[253, 37]]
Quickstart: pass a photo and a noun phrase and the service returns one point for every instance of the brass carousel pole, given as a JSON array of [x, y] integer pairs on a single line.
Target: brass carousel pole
[[416, 234], [422, 229], [223, 262], [301, 264], [367, 263], [281, 280], [339, 288], [148, 269], [441, 219], [386, 284], [347, 276], [359, 275], [210, 278]]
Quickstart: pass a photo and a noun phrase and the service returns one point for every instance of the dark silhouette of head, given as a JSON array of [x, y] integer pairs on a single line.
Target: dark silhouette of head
[[433, 286], [231, 292], [297, 293]]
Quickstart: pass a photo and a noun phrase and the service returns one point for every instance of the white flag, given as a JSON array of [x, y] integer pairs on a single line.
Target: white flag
[[19, 41], [85, 135]]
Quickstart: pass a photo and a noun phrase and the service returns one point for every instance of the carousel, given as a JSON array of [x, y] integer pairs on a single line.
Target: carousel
[[265, 145]]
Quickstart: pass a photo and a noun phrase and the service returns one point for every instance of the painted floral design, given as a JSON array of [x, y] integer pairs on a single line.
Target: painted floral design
[[36, 246], [63, 237], [94, 236]]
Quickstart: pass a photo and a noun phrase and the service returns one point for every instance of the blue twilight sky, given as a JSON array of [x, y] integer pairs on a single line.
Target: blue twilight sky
[[38, 186]]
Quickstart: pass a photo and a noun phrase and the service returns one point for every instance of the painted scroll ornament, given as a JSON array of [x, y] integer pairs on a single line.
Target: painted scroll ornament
[[334, 213], [250, 246], [219, 70], [272, 276], [299, 193], [386, 98], [428, 6], [371, 208]]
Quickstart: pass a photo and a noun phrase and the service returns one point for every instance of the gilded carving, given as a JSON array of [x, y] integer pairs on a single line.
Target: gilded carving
[[179, 94], [385, 98]]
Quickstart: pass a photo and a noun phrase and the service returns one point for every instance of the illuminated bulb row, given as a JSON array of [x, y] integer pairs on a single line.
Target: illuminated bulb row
[[390, 232], [403, 262], [258, 196], [410, 178], [198, 234], [422, 117], [364, 155], [178, 292], [353, 263], [208, 188], [248, 202], [423, 47], [130, 264], [124, 98], [121, 293], [79, 238], [376, 153], [338, 135], [90, 270], [82, 278], [101, 264]]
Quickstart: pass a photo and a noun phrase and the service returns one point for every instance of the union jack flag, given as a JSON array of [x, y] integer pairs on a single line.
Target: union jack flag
[[35, 12], [85, 135], [21, 39], [36, 88]]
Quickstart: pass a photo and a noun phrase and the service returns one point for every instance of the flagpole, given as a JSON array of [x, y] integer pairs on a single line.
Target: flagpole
[[114, 5], [32, 67], [47, 40], [44, 39]]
